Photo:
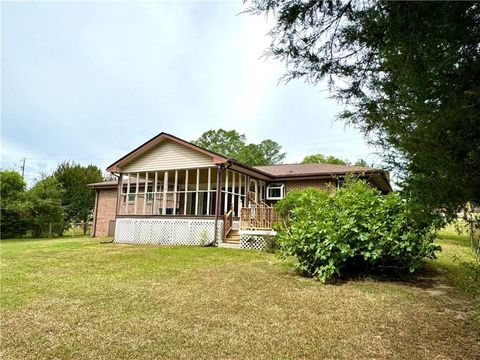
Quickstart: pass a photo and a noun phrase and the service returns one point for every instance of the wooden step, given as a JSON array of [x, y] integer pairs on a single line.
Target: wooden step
[[233, 239], [230, 241]]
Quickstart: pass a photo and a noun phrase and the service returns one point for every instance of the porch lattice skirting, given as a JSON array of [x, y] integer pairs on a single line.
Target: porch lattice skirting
[[255, 239], [166, 231]]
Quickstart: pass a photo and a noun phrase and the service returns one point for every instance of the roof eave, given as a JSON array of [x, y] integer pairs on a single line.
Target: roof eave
[[99, 186], [325, 174], [385, 187]]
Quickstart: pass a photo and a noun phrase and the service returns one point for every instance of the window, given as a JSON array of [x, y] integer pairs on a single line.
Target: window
[[130, 196], [275, 191], [150, 194], [340, 183]]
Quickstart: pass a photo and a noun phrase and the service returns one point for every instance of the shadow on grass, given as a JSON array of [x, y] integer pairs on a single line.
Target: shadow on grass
[[64, 237], [425, 278], [29, 240], [430, 276]]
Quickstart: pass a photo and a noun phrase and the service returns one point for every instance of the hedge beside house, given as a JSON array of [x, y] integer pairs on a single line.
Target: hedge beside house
[[355, 229]]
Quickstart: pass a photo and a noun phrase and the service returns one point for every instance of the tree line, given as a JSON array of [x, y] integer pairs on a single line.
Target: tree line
[[234, 145], [52, 205]]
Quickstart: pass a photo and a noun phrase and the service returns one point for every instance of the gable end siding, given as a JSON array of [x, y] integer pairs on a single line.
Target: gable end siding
[[168, 155]]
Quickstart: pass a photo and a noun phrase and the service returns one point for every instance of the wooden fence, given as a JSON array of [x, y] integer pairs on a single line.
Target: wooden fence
[[257, 218]]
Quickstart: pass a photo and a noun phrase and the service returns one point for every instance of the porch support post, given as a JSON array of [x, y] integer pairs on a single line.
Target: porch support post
[[261, 187], [119, 195], [128, 192], [165, 189], [239, 193], [218, 197], [145, 194], [208, 190], [137, 185], [247, 190], [233, 193], [175, 185], [196, 192], [244, 191], [186, 193], [155, 210], [225, 205]]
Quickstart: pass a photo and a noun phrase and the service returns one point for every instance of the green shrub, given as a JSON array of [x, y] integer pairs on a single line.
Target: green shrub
[[271, 245], [355, 229]]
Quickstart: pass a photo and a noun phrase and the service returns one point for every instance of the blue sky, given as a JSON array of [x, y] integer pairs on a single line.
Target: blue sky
[[90, 81]]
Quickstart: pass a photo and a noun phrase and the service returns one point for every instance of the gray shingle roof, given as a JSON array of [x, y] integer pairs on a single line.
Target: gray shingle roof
[[294, 170], [311, 169], [113, 183]]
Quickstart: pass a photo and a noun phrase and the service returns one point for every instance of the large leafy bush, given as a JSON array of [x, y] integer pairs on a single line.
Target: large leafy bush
[[355, 229]]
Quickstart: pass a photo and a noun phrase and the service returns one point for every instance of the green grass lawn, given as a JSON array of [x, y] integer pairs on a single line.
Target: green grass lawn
[[456, 264], [76, 298]]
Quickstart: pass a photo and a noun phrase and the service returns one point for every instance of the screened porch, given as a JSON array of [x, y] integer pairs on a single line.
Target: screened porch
[[188, 192]]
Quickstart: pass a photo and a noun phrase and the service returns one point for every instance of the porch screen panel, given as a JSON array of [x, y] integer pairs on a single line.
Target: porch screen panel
[[171, 192], [128, 195], [233, 191], [175, 189], [155, 187]]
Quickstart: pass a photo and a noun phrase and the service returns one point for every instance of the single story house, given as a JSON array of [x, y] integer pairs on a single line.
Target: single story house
[[170, 191]]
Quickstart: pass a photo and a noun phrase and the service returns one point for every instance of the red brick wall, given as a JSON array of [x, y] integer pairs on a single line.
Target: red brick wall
[[302, 184], [140, 202], [107, 200]]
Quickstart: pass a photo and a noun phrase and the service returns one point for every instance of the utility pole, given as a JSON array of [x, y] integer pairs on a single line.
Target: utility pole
[[23, 168]]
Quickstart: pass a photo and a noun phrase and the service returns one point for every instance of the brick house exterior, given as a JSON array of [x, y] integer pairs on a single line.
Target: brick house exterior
[[169, 190]]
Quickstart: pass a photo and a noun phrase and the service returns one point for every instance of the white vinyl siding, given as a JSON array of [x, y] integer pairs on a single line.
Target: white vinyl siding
[[168, 155]]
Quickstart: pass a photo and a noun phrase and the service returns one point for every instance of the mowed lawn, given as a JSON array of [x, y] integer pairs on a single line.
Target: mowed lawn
[[76, 298]]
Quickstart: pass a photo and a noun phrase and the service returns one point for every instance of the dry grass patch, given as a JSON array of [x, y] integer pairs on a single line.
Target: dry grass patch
[[79, 299]]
